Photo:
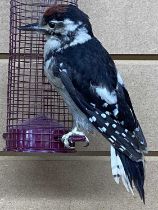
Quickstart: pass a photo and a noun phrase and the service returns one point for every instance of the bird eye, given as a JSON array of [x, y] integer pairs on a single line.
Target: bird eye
[[52, 25]]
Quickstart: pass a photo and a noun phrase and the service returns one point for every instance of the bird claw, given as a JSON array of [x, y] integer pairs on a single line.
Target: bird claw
[[67, 140], [87, 142]]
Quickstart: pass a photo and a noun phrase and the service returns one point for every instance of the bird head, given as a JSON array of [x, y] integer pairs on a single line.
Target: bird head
[[61, 20]]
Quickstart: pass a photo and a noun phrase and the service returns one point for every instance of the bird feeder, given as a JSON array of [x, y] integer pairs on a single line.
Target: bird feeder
[[37, 116]]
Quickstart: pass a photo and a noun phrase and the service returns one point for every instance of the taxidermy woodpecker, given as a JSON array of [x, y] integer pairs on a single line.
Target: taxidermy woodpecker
[[86, 77]]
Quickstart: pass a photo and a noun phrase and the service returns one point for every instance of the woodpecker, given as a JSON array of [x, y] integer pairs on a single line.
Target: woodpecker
[[85, 75]]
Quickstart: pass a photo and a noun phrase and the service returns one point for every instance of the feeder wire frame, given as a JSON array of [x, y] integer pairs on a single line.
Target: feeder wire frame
[[30, 95]]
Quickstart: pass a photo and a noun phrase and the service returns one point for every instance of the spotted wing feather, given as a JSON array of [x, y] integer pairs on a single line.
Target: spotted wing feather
[[103, 122]]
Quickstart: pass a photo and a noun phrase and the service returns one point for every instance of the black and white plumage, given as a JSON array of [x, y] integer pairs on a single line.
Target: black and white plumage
[[85, 75]]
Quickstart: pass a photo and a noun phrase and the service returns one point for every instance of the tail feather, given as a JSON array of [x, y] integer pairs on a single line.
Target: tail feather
[[129, 171], [118, 171], [135, 173]]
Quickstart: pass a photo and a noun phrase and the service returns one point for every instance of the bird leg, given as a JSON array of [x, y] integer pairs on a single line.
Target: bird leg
[[74, 132]]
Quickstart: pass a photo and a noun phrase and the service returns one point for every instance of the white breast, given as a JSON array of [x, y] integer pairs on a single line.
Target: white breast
[[51, 45]]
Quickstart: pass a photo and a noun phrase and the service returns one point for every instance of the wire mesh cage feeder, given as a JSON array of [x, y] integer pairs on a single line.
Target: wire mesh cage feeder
[[37, 117]]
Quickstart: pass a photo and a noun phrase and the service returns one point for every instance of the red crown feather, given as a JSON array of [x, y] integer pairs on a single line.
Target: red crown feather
[[60, 8]]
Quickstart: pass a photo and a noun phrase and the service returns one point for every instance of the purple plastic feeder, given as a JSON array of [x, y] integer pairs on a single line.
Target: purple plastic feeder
[[37, 117], [38, 134]]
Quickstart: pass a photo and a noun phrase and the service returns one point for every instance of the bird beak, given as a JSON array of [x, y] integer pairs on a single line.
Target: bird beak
[[34, 27]]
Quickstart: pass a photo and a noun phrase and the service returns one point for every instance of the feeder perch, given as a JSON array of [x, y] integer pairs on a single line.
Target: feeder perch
[[37, 117]]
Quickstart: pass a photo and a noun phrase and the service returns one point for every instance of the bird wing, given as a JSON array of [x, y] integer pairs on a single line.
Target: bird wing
[[100, 94], [103, 122]]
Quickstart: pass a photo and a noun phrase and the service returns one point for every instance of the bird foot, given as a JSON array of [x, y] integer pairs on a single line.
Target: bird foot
[[67, 140]]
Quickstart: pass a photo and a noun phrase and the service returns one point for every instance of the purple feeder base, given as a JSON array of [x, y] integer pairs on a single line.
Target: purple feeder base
[[39, 134]]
